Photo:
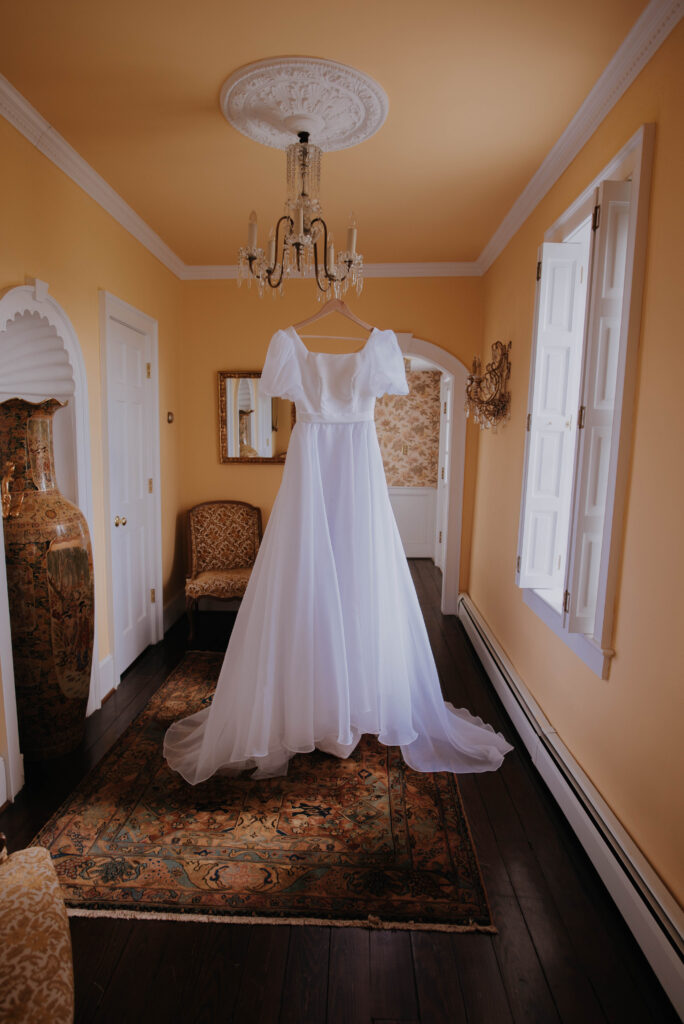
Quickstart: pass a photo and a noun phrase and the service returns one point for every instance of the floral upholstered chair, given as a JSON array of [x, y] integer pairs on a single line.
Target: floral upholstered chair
[[223, 540]]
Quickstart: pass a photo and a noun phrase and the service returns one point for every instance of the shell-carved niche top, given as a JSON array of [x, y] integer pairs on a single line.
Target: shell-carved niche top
[[271, 100]]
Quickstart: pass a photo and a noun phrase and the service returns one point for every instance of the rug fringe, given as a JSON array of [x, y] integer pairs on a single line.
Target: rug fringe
[[372, 923]]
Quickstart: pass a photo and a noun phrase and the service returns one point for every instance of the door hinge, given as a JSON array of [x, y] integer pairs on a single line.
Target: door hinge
[[440, 536], [153, 596], [148, 370], [150, 485], [581, 417], [442, 472], [517, 564], [596, 218], [529, 421], [539, 263], [566, 601], [445, 408]]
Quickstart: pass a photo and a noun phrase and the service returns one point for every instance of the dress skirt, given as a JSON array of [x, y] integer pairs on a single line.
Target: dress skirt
[[329, 642]]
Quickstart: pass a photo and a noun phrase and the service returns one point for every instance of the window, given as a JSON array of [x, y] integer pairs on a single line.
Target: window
[[586, 329]]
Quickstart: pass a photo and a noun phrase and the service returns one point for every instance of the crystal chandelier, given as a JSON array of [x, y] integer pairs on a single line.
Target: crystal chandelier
[[300, 245]]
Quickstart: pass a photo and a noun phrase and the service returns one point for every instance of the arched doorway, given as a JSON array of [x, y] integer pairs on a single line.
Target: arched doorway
[[452, 368], [40, 357]]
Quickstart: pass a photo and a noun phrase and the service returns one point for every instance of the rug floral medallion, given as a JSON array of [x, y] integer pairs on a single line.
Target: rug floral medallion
[[365, 840]]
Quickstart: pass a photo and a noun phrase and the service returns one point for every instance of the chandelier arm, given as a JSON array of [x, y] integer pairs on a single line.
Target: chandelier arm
[[326, 272], [321, 288], [269, 271], [331, 277]]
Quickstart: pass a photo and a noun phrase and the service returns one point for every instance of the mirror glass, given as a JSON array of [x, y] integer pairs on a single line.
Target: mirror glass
[[251, 428]]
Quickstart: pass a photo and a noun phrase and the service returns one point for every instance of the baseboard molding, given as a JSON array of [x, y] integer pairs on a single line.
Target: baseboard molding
[[107, 681], [652, 914], [174, 609]]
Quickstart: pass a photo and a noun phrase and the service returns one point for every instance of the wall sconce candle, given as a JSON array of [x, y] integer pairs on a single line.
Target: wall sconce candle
[[487, 395]]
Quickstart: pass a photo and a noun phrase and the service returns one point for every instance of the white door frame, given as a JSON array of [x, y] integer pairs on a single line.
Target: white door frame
[[442, 504], [444, 360], [114, 309], [34, 298]]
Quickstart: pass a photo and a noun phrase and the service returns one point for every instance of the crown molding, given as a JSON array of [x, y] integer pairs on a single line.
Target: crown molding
[[649, 31], [215, 272], [26, 119], [647, 34], [469, 269], [229, 272]]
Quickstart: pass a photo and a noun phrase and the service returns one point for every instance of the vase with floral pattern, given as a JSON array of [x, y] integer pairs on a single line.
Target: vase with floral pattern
[[50, 584]]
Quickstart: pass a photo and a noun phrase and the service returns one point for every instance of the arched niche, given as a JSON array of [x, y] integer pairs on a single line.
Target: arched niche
[[40, 357]]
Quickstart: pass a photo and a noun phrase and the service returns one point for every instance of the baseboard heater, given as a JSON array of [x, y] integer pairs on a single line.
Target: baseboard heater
[[652, 914]]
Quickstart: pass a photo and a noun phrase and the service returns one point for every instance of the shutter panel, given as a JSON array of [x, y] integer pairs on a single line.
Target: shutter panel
[[551, 438], [598, 396]]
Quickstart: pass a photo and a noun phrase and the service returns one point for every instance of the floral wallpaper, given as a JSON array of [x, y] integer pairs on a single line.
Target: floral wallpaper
[[408, 431]]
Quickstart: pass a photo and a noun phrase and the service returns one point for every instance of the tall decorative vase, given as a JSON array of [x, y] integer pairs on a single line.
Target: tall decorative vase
[[50, 584]]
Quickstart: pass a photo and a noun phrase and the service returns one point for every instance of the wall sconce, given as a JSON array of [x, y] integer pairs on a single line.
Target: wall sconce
[[487, 395]]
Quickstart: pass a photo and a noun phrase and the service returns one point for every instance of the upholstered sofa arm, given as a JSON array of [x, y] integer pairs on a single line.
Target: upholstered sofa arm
[[36, 972]]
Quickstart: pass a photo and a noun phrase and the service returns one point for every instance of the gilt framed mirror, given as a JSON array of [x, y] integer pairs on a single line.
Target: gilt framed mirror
[[252, 428]]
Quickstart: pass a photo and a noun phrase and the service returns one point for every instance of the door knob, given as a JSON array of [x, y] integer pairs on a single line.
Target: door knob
[[123, 520], [117, 520]]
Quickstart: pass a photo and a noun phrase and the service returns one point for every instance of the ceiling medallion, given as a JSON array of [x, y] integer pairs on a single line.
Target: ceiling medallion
[[272, 100], [325, 106]]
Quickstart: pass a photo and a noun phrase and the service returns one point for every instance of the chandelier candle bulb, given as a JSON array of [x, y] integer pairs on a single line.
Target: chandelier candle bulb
[[331, 253], [351, 236], [252, 231]]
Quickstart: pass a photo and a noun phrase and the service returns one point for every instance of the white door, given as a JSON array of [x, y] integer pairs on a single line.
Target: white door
[[133, 482], [445, 414]]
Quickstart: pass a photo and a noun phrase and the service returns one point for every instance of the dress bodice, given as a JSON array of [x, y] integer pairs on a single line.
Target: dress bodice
[[333, 387]]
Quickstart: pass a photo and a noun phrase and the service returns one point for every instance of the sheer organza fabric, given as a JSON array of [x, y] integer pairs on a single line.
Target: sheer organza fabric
[[329, 642]]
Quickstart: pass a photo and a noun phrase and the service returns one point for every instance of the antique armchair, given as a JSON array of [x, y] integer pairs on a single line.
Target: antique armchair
[[223, 538]]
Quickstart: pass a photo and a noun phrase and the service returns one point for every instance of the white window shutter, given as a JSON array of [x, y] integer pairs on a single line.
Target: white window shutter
[[598, 398], [552, 419]]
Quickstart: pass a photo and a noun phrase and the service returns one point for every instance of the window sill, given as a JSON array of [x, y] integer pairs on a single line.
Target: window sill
[[585, 647]]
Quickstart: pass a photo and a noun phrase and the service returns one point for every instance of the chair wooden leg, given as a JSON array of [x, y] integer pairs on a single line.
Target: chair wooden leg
[[190, 609]]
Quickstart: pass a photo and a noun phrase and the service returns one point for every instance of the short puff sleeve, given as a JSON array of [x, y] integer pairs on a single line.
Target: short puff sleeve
[[281, 376], [388, 372]]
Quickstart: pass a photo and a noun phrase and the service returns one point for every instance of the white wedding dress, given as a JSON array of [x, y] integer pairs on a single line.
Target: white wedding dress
[[329, 642]]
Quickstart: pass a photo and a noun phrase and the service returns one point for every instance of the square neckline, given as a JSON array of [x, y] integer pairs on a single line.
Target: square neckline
[[336, 355]]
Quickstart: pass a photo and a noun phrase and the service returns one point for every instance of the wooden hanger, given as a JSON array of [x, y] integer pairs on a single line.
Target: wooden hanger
[[334, 306]]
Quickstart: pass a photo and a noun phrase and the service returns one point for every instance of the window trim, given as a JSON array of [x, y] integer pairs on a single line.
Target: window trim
[[633, 161]]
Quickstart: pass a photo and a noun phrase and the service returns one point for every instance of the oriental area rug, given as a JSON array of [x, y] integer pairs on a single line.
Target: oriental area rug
[[363, 841]]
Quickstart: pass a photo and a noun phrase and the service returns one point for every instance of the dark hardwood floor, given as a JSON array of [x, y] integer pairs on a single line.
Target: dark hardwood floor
[[562, 952]]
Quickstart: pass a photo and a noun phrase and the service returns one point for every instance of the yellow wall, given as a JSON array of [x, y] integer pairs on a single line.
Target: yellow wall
[[626, 732], [228, 328], [50, 229]]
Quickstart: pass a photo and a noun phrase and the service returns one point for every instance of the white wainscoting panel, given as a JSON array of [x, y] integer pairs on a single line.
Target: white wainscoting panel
[[415, 509]]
